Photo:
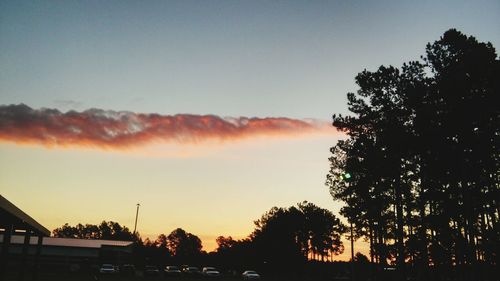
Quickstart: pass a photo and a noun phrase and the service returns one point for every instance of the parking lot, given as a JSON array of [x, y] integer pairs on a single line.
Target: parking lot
[[180, 278], [141, 277]]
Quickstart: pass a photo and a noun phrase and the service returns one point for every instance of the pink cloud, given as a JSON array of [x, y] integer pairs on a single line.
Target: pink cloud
[[120, 129]]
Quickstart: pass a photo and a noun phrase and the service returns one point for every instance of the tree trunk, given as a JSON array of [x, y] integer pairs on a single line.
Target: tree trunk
[[371, 242], [423, 259], [400, 259]]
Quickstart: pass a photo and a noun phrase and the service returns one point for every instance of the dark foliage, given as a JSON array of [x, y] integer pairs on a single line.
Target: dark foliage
[[284, 240], [182, 244], [423, 155], [106, 231]]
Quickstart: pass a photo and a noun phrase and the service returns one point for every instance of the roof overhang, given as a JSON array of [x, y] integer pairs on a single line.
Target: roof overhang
[[12, 215]]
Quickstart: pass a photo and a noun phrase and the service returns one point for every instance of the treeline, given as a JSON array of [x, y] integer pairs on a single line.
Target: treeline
[[106, 230], [284, 238], [419, 171], [287, 236]]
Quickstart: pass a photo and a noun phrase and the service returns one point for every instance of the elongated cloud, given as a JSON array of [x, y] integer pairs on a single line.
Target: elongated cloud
[[120, 129]]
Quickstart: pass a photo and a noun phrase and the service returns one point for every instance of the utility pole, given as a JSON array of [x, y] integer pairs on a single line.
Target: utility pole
[[136, 215]]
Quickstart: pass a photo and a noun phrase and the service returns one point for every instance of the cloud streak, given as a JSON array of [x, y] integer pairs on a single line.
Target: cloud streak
[[121, 129]]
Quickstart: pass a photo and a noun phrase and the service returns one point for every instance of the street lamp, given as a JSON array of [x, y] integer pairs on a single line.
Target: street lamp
[[136, 215]]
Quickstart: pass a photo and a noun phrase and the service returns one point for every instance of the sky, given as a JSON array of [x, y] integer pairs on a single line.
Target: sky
[[283, 62]]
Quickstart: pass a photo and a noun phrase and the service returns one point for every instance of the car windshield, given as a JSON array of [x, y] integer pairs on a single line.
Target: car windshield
[[107, 266], [172, 268], [251, 272]]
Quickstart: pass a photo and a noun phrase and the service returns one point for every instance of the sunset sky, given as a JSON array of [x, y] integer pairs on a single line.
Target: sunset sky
[[264, 77]]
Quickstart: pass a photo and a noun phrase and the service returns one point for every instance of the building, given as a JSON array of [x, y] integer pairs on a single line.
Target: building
[[26, 248]]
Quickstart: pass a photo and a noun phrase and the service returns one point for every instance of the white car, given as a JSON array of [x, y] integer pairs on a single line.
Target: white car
[[107, 268], [172, 270], [250, 275], [210, 272], [191, 270]]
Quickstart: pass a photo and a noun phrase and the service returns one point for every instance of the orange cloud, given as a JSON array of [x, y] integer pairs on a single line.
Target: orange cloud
[[120, 129]]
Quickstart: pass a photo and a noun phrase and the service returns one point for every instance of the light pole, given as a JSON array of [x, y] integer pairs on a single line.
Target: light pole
[[136, 215]]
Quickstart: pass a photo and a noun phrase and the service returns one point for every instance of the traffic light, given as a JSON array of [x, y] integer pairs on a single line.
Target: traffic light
[[346, 176]]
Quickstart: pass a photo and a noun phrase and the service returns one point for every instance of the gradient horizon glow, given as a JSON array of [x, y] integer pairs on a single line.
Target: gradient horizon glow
[[256, 59]]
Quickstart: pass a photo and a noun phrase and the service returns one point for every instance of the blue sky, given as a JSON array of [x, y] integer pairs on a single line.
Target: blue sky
[[294, 59], [250, 58]]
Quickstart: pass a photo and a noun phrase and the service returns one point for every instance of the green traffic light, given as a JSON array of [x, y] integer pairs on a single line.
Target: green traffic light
[[347, 176]]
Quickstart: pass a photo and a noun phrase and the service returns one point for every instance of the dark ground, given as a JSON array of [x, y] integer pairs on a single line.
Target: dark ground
[[140, 277]]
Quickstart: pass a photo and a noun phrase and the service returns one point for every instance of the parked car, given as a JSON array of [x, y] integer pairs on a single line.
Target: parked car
[[172, 270], [210, 272], [250, 275], [107, 269], [151, 270], [191, 270]]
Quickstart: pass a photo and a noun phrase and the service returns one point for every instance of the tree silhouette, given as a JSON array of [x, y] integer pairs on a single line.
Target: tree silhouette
[[152, 252], [297, 233], [321, 235], [283, 240], [224, 243], [105, 230], [162, 241], [65, 231], [182, 244], [424, 159]]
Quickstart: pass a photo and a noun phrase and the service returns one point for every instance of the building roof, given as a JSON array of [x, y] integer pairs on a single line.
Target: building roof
[[12, 215], [84, 243], [71, 242]]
